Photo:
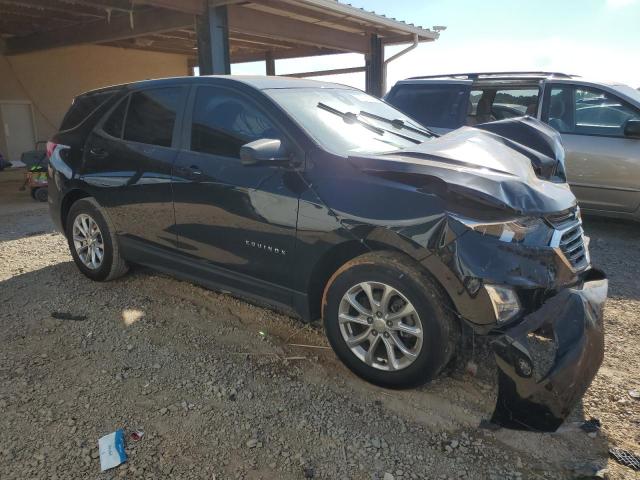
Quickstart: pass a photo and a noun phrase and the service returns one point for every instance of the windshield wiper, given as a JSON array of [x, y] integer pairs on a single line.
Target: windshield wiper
[[399, 124], [350, 118]]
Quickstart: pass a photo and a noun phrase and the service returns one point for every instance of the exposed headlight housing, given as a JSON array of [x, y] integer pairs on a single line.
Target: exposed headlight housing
[[533, 229], [505, 302]]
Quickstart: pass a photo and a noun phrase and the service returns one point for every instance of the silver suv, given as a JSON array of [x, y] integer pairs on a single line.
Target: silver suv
[[599, 123]]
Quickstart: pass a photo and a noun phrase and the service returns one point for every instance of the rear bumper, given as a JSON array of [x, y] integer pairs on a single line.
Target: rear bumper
[[531, 398]]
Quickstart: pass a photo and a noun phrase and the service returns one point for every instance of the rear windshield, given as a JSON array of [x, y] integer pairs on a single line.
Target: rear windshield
[[82, 107], [440, 106]]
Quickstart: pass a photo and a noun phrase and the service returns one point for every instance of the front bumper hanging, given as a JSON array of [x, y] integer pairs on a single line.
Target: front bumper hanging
[[573, 320]]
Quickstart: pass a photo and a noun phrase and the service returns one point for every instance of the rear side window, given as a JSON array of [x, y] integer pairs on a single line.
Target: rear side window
[[515, 102], [115, 123], [152, 116], [223, 121], [441, 106], [490, 104], [82, 107]]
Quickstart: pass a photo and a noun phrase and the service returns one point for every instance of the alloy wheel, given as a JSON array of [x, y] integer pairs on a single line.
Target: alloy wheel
[[88, 241], [380, 326]]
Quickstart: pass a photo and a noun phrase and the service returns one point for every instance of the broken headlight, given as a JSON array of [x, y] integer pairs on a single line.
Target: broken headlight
[[533, 230]]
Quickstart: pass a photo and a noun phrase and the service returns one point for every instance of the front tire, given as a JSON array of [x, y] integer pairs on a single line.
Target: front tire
[[388, 321], [92, 241]]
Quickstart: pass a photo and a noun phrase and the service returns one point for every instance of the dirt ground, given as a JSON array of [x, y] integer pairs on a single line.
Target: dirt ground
[[222, 390]]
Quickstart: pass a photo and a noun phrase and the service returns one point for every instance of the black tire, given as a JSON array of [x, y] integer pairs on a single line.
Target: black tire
[[41, 194], [439, 324], [113, 265]]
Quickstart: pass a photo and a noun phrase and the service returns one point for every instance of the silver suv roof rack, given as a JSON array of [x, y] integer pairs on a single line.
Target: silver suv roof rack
[[477, 75]]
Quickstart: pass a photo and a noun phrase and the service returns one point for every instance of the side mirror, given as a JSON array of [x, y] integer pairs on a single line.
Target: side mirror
[[632, 128], [266, 151]]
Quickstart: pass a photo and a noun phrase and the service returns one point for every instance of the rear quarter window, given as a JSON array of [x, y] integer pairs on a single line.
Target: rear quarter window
[[82, 107], [114, 124]]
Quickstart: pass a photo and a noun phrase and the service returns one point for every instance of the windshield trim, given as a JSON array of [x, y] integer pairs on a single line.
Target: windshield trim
[[629, 93]]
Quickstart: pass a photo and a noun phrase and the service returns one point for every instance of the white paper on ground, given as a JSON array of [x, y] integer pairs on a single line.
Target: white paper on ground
[[111, 448]]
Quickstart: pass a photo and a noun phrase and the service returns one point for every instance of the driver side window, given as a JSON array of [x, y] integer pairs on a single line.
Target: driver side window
[[588, 111], [224, 121], [600, 113]]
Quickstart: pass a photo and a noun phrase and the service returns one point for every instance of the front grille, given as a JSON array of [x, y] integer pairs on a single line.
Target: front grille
[[573, 248], [568, 237], [561, 218]]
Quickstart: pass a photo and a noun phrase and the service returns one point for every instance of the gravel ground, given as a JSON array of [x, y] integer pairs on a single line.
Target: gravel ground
[[221, 391]]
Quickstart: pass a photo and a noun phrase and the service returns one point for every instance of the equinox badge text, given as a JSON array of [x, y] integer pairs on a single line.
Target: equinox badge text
[[265, 247]]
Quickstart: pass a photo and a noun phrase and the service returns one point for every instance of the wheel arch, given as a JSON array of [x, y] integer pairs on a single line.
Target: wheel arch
[[69, 199], [379, 240]]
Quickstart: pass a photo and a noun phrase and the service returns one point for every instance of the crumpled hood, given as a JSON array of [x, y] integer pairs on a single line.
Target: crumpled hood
[[485, 167]]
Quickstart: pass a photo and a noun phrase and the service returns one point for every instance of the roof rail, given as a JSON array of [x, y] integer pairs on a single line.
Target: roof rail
[[475, 76]]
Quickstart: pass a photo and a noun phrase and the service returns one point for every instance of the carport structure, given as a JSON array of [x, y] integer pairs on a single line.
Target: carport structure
[[212, 33]]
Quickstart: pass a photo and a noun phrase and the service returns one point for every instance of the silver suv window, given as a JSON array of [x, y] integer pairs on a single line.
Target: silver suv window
[[588, 111]]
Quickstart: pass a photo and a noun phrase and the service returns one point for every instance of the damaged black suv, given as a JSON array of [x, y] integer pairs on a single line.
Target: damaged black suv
[[321, 200]]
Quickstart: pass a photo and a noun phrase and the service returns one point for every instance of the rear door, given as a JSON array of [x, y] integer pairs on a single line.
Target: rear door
[[603, 166], [241, 220], [441, 105], [128, 161]]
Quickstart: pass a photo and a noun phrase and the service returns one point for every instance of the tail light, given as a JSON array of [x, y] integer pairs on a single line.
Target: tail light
[[58, 159], [51, 147]]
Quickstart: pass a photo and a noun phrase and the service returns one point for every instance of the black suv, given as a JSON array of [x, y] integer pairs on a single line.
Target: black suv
[[321, 200]]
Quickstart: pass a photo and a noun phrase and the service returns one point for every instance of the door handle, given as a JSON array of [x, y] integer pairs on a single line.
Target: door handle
[[99, 152], [191, 171], [195, 170]]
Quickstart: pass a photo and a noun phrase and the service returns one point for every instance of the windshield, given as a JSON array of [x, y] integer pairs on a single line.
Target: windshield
[[348, 122]]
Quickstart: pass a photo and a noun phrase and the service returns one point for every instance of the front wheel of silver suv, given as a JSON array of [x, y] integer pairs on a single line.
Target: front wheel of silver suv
[[388, 321]]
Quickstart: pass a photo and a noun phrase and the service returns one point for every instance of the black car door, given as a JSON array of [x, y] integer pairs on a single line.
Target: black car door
[[240, 221], [128, 161]]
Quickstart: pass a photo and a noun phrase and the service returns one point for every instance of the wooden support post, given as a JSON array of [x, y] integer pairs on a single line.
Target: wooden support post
[[191, 64], [374, 76], [270, 63], [213, 41]]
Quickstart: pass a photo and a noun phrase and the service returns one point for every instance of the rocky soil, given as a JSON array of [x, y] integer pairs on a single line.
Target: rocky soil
[[222, 388]]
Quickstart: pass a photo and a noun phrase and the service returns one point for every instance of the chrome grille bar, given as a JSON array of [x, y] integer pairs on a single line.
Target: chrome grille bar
[[568, 238]]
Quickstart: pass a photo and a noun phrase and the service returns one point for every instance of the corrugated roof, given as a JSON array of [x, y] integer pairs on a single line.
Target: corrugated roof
[[373, 12], [374, 17]]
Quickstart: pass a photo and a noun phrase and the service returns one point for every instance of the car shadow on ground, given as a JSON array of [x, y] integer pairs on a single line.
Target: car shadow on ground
[[33, 230]]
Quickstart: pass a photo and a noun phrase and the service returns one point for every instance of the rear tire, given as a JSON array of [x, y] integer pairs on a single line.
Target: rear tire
[[413, 337], [92, 241]]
